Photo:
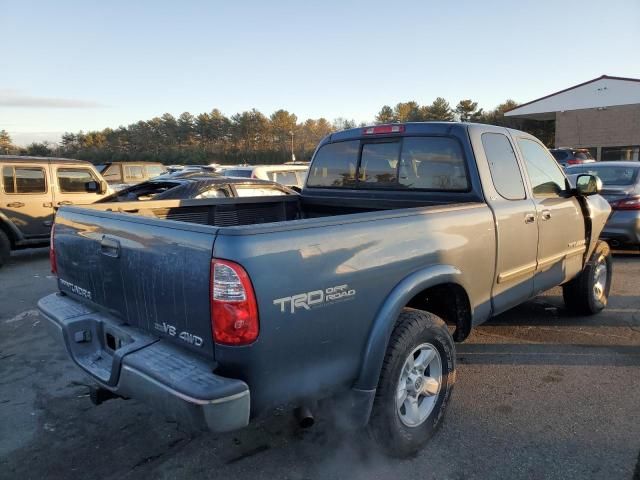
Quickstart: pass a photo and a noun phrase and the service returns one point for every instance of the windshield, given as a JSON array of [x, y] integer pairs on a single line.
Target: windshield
[[609, 174], [143, 191], [237, 173]]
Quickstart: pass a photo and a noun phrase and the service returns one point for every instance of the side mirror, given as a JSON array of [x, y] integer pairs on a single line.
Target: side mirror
[[92, 186], [588, 184]]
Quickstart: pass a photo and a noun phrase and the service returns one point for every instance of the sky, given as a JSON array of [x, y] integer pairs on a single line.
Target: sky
[[88, 65]]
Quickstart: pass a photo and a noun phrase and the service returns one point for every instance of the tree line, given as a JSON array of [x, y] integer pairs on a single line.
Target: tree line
[[250, 136]]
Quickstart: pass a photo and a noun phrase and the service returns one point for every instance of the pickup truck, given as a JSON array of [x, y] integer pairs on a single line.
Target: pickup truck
[[405, 236]]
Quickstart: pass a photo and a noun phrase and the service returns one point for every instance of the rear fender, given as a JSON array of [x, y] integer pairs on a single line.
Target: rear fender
[[386, 317]]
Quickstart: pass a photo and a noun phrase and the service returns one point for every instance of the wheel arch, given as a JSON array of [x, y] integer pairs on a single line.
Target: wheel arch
[[423, 290]]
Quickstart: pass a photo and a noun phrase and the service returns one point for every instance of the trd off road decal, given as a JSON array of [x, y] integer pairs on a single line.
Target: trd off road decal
[[316, 298]]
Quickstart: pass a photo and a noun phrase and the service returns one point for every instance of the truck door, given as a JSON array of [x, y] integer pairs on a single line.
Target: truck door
[[27, 198], [515, 218], [561, 227]]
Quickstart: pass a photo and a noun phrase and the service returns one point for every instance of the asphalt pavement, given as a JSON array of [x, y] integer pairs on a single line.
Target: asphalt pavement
[[539, 394]]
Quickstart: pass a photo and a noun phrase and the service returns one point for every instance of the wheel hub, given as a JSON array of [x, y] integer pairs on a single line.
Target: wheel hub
[[600, 280], [419, 384]]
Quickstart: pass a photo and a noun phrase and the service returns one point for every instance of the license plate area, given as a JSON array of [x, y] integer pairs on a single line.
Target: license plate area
[[98, 346]]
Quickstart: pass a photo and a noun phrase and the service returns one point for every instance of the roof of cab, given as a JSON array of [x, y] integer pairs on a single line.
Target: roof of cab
[[26, 159], [410, 128]]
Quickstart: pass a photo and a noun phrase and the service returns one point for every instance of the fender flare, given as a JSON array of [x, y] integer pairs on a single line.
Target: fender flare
[[385, 319], [10, 228]]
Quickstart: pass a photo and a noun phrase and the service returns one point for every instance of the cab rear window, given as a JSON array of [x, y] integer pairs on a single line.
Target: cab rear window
[[419, 163]]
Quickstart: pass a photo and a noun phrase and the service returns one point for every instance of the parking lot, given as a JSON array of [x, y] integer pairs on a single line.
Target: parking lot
[[540, 394]]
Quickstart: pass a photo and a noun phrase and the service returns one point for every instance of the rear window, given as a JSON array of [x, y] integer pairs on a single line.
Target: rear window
[[284, 178], [559, 154], [582, 155], [134, 172], [425, 163], [154, 170], [610, 175], [238, 173], [335, 165]]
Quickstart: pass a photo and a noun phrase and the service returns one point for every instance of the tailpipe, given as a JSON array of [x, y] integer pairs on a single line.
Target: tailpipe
[[304, 416], [99, 395]]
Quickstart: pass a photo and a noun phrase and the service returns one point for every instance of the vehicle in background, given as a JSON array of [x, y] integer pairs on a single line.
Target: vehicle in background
[[287, 175], [572, 156], [349, 290], [195, 185], [186, 170], [120, 175], [32, 188], [621, 188]]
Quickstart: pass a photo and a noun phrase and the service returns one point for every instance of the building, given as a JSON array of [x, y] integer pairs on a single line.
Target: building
[[602, 115]]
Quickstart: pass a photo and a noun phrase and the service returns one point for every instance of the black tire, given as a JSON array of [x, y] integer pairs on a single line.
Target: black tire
[[582, 294], [413, 329], [5, 248]]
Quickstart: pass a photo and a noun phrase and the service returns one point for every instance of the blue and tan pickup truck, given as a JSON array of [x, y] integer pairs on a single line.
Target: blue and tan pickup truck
[[404, 238]]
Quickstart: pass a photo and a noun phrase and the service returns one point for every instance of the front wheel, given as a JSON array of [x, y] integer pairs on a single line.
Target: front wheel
[[415, 383], [588, 293]]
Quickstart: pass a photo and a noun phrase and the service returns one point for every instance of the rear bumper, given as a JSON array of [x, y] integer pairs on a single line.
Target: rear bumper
[[133, 364], [623, 227]]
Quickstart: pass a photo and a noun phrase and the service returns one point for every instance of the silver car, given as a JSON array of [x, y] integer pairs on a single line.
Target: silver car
[[621, 188]]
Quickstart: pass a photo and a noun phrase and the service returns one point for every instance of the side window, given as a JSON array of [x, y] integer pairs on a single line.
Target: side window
[[133, 172], [8, 180], [546, 178], [74, 180], [24, 180], [433, 163], [335, 165], [503, 166], [379, 164], [112, 174], [154, 170]]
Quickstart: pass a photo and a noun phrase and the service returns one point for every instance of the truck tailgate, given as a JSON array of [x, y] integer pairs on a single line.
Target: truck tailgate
[[152, 274]]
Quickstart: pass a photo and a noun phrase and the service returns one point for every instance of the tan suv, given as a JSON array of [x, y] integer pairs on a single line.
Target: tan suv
[[31, 188]]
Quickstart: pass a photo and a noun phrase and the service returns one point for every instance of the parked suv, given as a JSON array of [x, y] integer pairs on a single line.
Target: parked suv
[[120, 175], [572, 156], [288, 175], [31, 188]]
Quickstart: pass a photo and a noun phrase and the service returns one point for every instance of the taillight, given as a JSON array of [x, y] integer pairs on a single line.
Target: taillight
[[234, 312], [632, 203], [383, 129], [574, 161], [52, 250]]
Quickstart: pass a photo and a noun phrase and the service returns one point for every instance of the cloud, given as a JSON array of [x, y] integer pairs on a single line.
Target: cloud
[[13, 98]]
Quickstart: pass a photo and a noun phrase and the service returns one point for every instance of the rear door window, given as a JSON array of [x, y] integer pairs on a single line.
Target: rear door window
[[503, 165], [335, 165], [74, 180], [24, 180], [133, 173]]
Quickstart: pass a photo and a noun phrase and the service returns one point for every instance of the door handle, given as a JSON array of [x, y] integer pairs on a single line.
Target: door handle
[[65, 202], [15, 205], [110, 247], [546, 214], [47, 204], [529, 218]]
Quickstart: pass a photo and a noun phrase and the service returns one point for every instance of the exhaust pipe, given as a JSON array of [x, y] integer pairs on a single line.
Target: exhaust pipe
[[304, 416], [99, 395]]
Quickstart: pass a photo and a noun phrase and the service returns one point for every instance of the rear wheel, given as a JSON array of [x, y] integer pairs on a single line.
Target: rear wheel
[[415, 383], [5, 248], [588, 293]]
